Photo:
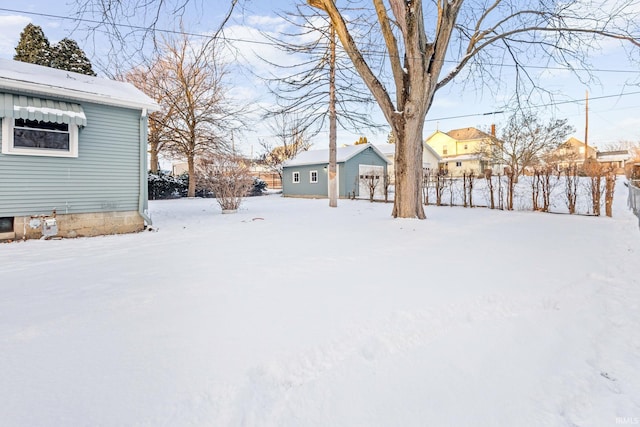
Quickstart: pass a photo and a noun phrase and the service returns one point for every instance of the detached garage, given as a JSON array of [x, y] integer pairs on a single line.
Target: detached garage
[[306, 175]]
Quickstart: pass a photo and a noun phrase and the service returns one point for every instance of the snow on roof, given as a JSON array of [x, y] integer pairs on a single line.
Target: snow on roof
[[387, 149], [314, 157], [45, 81], [390, 149], [613, 156]]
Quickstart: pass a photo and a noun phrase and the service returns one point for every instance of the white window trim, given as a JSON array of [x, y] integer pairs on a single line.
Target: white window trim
[[311, 180], [295, 175], [8, 148]]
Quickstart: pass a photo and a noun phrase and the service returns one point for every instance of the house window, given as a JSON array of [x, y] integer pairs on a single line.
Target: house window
[[6, 224], [313, 177], [444, 150], [39, 138], [466, 147], [296, 177], [458, 164]]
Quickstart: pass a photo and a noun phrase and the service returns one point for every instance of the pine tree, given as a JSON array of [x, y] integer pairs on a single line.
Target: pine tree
[[68, 56], [33, 46]]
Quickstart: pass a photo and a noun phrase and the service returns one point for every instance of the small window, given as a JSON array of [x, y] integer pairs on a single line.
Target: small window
[[466, 147], [38, 138], [458, 164], [444, 150], [313, 177], [6, 224], [296, 177]]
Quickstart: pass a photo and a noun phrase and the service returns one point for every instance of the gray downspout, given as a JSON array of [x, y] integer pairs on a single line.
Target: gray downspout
[[142, 194]]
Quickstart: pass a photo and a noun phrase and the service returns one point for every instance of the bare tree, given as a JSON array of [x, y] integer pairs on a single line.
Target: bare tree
[[525, 138], [291, 138], [321, 87], [484, 33], [191, 84], [148, 78], [133, 28]]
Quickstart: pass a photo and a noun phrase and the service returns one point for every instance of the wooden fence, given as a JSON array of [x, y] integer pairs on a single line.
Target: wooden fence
[[271, 178]]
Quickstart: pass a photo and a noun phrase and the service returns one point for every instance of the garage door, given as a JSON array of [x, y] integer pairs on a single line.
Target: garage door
[[371, 177]]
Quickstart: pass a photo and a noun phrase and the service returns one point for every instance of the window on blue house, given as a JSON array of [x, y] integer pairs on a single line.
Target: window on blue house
[[296, 177], [39, 138], [313, 177]]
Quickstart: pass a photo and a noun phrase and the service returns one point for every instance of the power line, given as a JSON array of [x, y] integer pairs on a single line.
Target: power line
[[550, 104], [268, 43]]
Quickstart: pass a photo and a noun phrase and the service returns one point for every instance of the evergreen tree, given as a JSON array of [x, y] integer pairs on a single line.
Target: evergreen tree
[[67, 55], [33, 46]]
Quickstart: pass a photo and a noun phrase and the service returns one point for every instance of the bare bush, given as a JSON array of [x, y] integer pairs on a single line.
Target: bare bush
[[571, 186], [488, 176], [610, 184], [372, 180], [227, 177], [595, 171]]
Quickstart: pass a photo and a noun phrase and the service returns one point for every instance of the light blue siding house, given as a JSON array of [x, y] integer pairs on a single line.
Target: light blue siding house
[[73, 144], [306, 175]]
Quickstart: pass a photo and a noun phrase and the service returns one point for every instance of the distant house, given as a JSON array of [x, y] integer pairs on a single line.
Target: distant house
[[71, 143], [614, 159], [430, 159], [464, 150], [572, 151], [306, 175]]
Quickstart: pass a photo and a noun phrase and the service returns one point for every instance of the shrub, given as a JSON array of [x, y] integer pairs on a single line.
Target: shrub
[[165, 186], [258, 188], [227, 177]]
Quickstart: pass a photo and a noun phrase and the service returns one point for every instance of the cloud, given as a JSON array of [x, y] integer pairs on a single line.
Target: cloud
[[12, 26]]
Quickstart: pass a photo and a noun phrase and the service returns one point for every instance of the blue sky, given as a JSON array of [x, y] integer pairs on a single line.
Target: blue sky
[[614, 107]]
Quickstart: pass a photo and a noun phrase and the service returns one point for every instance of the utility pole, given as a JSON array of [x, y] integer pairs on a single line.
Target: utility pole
[[333, 182], [586, 128]]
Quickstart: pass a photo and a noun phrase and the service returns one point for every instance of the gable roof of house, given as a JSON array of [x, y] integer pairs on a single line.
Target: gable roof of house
[[466, 134], [39, 81], [315, 157]]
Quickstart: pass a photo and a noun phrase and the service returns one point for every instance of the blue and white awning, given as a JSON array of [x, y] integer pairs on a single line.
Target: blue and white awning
[[46, 110]]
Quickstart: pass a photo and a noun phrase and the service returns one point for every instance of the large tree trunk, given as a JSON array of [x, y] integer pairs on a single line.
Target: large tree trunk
[[153, 159], [408, 170], [191, 191]]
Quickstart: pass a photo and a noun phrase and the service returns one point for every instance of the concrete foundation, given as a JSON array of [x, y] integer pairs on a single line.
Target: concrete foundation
[[80, 225]]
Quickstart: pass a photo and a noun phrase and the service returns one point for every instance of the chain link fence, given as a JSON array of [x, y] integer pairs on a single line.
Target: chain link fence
[[634, 198]]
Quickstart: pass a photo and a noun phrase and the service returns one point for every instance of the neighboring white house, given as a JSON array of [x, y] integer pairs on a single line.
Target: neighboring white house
[[430, 159]]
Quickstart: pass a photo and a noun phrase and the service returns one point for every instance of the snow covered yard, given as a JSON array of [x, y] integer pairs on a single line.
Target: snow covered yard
[[290, 313]]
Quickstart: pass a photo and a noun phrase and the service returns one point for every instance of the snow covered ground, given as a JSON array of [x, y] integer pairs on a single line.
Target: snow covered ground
[[290, 313]]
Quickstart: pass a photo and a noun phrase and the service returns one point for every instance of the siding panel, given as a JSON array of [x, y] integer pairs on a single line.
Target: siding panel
[[104, 177]]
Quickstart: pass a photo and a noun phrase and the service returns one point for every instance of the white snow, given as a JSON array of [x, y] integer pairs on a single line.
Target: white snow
[[290, 313], [312, 157], [47, 81]]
